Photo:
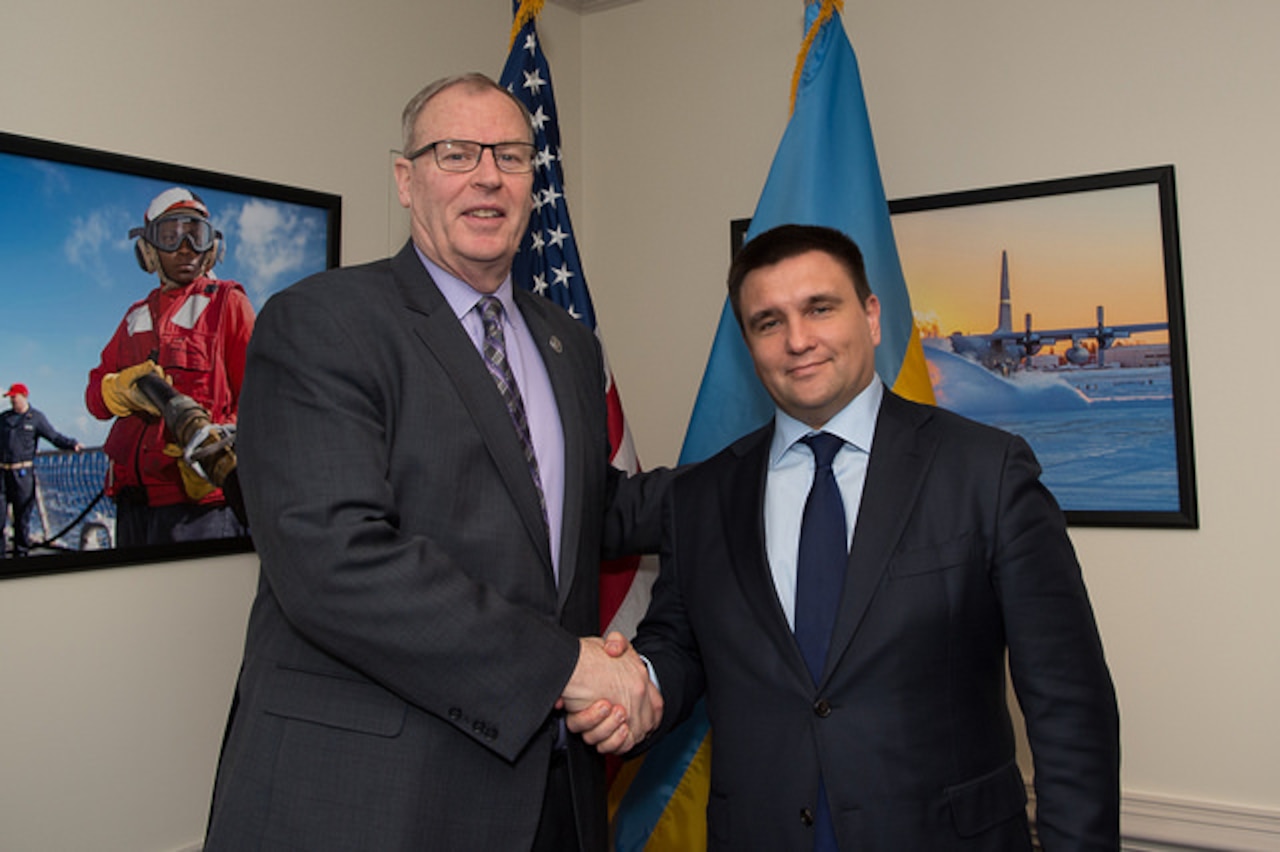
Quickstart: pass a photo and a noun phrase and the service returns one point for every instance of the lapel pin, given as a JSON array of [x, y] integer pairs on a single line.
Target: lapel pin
[[556, 344]]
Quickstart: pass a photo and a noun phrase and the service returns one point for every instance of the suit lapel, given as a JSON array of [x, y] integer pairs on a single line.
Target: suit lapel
[[899, 460], [566, 381], [435, 325], [742, 510]]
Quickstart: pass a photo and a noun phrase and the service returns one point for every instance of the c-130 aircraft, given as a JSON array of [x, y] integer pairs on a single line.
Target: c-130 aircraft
[[1005, 350]]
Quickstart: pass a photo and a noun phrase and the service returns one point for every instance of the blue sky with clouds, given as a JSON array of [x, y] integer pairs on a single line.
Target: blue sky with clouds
[[68, 272]]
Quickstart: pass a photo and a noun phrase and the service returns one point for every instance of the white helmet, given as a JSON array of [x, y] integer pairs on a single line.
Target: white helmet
[[176, 216]]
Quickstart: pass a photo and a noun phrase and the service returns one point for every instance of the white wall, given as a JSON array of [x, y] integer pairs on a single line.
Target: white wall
[[115, 693], [115, 682]]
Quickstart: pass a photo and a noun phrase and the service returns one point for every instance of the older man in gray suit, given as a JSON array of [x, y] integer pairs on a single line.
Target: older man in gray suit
[[424, 457]]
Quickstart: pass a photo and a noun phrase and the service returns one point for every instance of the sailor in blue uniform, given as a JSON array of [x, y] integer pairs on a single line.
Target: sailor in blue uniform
[[21, 427]]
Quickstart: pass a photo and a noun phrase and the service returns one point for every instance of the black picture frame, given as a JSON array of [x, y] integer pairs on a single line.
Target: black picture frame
[[1114, 439], [68, 274]]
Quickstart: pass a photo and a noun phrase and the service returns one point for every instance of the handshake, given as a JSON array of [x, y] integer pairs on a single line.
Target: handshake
[[610, 699]]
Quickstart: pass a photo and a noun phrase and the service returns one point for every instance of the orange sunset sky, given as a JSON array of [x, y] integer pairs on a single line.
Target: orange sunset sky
[[1068, 254]]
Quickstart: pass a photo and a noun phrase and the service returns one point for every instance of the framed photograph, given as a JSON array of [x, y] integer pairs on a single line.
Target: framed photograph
[[69, 271], [1054, 310]]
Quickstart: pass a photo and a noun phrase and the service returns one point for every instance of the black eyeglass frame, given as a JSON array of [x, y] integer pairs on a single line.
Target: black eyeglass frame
[[492, 146]]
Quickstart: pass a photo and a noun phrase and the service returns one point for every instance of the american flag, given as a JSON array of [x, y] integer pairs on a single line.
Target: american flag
[[548, 264]]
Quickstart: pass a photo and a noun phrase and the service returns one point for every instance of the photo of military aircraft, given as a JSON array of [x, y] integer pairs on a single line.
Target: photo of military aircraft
[[1098, 391], [1006, 350]]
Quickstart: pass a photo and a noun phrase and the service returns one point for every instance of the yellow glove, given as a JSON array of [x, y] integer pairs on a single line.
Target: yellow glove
[[195, 485], [121, 395]]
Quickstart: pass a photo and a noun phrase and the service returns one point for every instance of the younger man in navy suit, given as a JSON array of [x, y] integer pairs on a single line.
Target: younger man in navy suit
[[858, 700]]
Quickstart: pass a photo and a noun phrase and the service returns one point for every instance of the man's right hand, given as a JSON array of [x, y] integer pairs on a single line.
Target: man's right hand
[[121, 394], [610, 699]]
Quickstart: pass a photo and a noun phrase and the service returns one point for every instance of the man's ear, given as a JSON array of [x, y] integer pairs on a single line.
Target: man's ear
[[403, 169], [872, 309]]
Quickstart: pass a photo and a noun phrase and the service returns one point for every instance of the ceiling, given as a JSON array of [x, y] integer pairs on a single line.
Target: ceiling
[[592, 5]]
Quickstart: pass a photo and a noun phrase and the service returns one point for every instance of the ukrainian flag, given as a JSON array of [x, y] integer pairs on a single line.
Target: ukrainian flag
[[825, 172]]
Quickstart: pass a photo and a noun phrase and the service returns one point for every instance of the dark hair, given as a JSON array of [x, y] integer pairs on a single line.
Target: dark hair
[[787, 241]]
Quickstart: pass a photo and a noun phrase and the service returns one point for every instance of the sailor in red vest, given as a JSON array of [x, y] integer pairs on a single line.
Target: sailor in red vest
[[192, 330]]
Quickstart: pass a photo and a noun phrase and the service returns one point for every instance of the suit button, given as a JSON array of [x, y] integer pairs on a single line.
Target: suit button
[[455, 713], [822, 708], [806, 817]]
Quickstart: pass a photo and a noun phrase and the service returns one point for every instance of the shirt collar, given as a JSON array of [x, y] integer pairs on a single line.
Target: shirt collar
[[460, 295], [855, 423]]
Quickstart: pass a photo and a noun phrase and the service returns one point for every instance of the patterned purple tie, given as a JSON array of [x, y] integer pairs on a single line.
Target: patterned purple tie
[[495, 358]]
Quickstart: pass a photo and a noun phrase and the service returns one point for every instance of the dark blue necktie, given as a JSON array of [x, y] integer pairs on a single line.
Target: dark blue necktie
[[824, 553]]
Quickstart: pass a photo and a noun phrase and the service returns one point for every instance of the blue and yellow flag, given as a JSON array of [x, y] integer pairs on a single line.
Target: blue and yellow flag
[[825, 172]]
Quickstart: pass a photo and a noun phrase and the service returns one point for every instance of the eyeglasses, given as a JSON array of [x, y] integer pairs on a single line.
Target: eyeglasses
[[169, 233], [461, 155]]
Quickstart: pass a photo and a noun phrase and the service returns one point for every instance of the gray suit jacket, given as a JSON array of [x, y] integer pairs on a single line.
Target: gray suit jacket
[[959, 555], [407, 642]]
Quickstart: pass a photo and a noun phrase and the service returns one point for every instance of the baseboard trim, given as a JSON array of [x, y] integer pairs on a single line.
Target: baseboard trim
[[1153, 823], [1148, 821]]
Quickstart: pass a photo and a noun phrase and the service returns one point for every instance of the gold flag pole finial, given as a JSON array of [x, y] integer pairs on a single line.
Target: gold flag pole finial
[[829, 8], [528, 10]]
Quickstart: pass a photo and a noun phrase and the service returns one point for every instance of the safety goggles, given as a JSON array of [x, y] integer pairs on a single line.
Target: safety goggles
[[168, 234]]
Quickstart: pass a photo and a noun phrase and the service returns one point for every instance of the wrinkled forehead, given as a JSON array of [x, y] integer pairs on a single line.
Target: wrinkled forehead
[[474, 112]]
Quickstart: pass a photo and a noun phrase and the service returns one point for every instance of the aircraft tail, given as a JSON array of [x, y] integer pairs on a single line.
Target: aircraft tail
[[1006, 305]]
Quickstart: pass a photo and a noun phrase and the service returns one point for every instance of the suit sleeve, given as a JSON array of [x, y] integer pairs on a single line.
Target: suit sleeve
[[665, 636], [633, 519], [316, 462], [1057, 665]]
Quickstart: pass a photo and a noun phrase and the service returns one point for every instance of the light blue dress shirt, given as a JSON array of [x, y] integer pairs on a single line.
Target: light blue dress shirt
[[790, 476], [526, 363]]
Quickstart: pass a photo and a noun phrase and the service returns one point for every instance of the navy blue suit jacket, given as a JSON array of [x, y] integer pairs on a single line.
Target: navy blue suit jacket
[[959, 556]]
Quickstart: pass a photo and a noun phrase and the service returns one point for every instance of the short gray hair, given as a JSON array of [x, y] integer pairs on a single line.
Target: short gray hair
[[473, 80]]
